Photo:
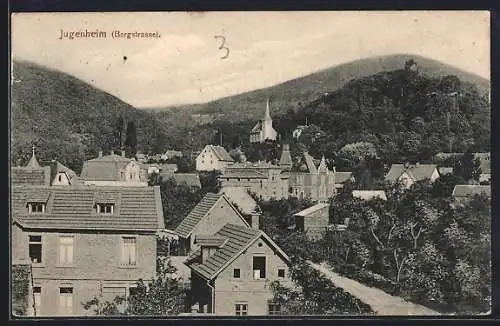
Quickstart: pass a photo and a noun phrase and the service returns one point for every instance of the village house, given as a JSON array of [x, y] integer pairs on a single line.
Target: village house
[[113, 170], [84, 241], [308, 181], [232, 271], [463, 193], [53, 173], [484, 162], [369, 194], [263, 129], [265, 180], [408, 174], [313, 221], [169, 154], [213, 158], [209, 215], [298, 131], [242, 200]]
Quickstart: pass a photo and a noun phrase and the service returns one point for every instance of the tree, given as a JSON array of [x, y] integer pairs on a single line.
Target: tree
[[119, 126], [468, 167], [163, 296], [131, 140], [355, 153]]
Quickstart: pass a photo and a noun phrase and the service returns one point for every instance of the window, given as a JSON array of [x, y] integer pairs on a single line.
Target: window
[[236, 273], [202, 161], [132, 291], [259, 268], [241, 309], [128, 251], [34, 208], [274, 309], [66, 250], [59, 178], [281, 273], [37, 296], [211, 162], [66, 300], [227, 179], [239, 179], [35, 248], [105, 208]]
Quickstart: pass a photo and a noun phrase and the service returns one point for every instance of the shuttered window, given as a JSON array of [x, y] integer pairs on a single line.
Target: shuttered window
[[66, 250], [128, 255]]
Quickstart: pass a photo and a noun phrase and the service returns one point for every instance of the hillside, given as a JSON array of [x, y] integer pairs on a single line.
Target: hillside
[[67, 119], [297, 92]]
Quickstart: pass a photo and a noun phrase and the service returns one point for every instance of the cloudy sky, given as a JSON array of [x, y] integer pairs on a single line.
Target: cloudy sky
[[265, 48]]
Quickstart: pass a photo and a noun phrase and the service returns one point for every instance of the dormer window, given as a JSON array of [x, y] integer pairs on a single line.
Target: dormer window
[[105, 208], [36, 208]]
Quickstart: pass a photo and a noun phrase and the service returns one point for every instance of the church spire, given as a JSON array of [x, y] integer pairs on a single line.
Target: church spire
[[322, 168], [267, 116], [33, 162]]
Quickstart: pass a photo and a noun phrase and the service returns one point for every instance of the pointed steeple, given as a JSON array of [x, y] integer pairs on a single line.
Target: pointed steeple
[[286, 157], [322, 168], [267, 116], [33, 162]]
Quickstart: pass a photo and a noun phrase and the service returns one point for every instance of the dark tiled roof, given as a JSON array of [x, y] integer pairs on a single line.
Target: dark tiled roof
[[105, 168], [210, 240], [238, 238], [416, 172], [221, 153], [311, 167], [188, 224], [257, 127], [249, 174], [73, 208], [471, 190], [190, 179], [30, 176]]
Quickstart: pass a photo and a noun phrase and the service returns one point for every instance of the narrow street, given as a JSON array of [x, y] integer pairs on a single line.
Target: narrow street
[[382, 303]]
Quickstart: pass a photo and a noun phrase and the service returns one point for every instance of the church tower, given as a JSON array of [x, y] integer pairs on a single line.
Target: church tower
[[267, 128], [33, 162]]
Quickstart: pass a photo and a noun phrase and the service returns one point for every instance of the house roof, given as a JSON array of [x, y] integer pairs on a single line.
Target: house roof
[[471, 190], [73, 208], [484, 161], [341, 177], [249, 174], [286, 157], [257, 127], [189, 223], [311, 210], [369, 194], [58, 167], [105, 168], [190, 179], [210, 240], [30, 176], [417, 172], [311, 167], [221, 153], [239, 238], [241, 199]]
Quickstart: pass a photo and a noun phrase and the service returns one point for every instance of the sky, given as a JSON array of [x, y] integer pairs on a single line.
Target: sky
[[185, 65]]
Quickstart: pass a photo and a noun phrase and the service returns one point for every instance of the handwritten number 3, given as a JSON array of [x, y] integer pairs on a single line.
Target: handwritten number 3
[[222, 47]]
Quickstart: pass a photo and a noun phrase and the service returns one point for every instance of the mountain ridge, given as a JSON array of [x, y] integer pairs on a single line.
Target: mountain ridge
[[294, 93]]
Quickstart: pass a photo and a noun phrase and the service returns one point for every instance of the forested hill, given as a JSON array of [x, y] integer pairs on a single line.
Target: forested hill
[[295, 93], [67, 119], [406, 114]]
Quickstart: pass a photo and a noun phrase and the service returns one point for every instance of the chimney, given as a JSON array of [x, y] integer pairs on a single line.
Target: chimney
[[407, 165], [254, 220], [100, 153], [417, 164], [206, 252], [123, 153]]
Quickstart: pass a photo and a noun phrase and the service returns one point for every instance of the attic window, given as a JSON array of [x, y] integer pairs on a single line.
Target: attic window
[[105, 208], [36, 208]]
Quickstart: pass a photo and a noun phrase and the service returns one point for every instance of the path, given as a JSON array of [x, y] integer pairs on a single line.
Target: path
[[381, 302]]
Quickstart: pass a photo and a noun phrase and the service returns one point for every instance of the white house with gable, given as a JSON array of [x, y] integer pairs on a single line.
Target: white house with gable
[[213, 158]]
